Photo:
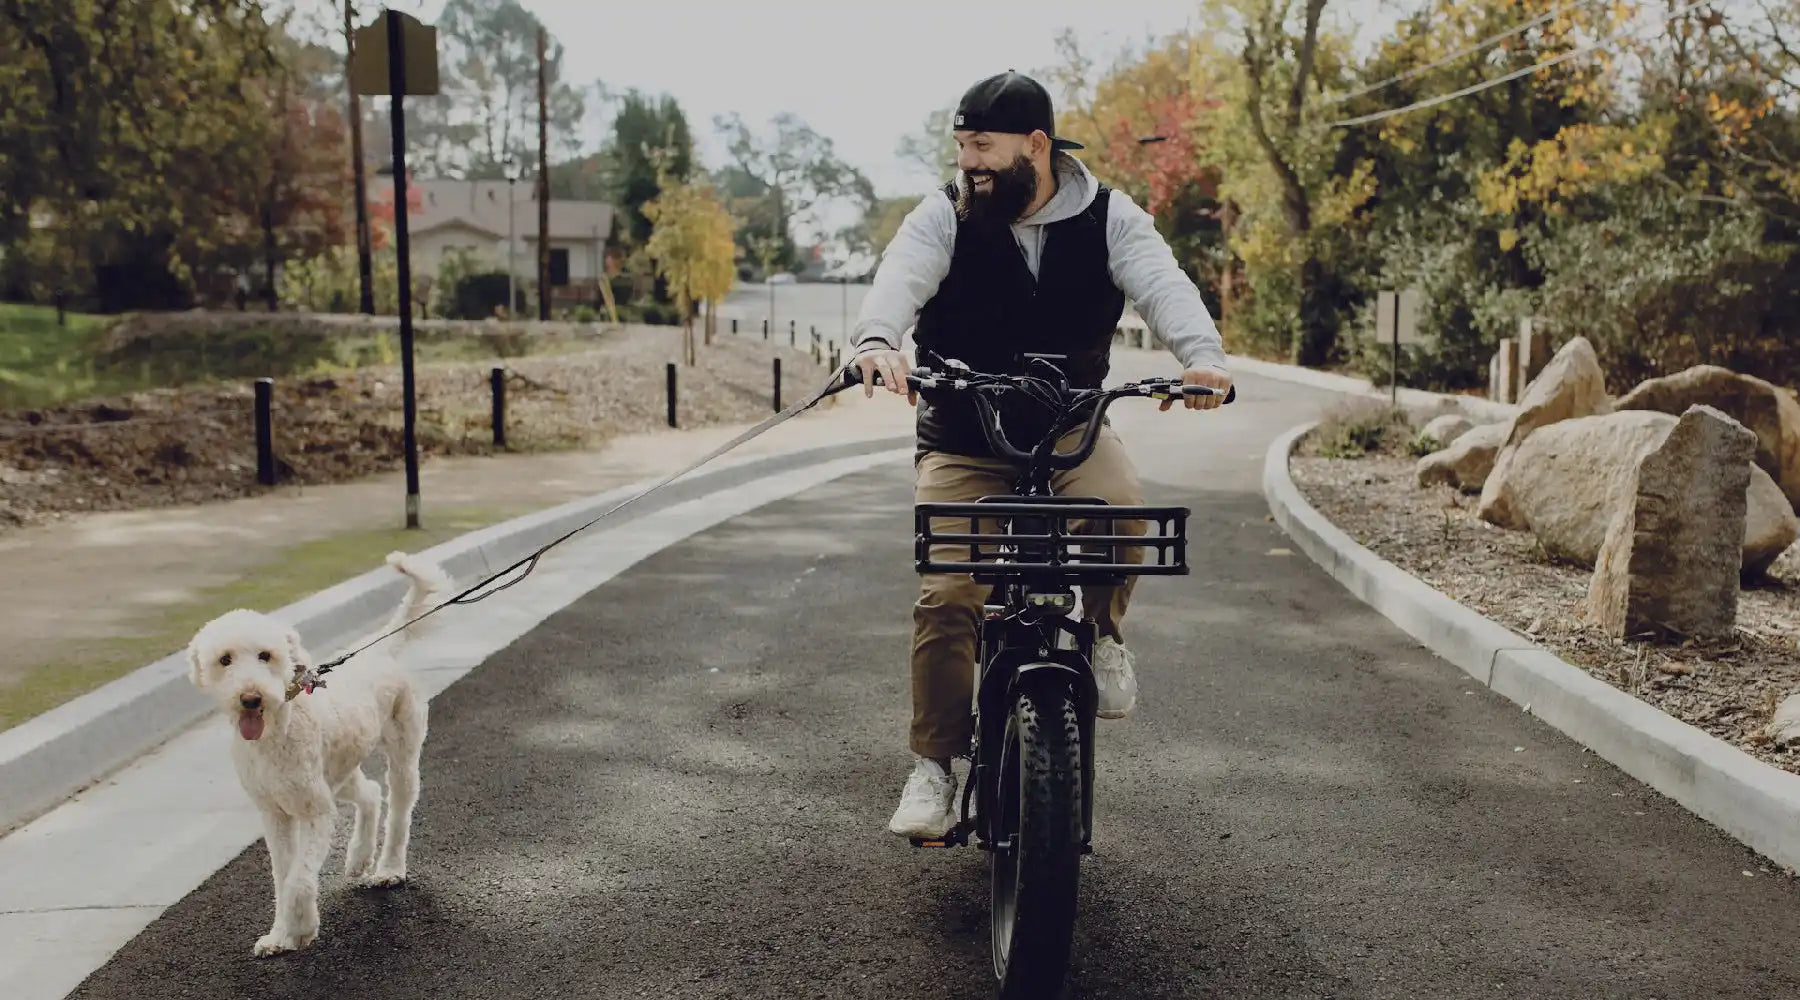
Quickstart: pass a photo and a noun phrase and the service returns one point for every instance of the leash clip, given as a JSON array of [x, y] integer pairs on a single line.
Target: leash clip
[[305, 681]]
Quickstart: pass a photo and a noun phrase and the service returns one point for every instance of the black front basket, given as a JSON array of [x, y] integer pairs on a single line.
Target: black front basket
[[1040, 533]]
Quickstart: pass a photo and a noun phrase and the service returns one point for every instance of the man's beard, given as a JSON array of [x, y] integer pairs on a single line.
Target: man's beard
[[1007, 196]]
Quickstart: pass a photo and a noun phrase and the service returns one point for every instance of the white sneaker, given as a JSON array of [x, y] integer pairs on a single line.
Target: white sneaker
[[1115, 679], [927, 804]]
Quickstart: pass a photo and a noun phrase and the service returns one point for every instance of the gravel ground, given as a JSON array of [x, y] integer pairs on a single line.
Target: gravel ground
[[1729, 690], [197, 443]]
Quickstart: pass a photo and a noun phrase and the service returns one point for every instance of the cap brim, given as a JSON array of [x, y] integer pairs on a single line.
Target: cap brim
[[1056, 143]]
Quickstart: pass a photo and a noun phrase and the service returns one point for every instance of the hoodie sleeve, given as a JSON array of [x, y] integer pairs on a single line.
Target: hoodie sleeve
[[1144, 268], [911, 268]]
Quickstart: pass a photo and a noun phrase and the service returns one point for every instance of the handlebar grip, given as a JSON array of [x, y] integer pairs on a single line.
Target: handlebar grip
[[1201, 390]]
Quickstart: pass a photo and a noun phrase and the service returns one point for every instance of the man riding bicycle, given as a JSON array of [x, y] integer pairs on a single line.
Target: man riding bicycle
[[1025, 253]]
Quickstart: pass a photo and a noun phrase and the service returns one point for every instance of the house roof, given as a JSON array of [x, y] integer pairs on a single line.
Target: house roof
[[484, 205]]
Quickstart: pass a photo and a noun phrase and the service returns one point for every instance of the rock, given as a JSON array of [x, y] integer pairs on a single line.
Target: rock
[[1572, 478], [1669, 565], [1570, 386], [1784, 726], [1447, 428], [1466, 463], [1771, 413], [1770, 527]]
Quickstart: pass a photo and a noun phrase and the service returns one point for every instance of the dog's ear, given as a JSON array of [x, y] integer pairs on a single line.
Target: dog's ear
[[193, 652], [296, 651]]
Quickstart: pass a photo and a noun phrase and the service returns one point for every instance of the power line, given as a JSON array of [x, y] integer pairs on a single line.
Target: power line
[[1514, 75], [1452, 57]]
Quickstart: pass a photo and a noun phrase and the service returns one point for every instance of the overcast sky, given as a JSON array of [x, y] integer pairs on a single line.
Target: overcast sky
[[861, 73]]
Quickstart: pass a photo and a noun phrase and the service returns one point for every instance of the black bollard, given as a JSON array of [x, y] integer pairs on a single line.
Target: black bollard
[[265, 431], [671, 394], [497, 381]]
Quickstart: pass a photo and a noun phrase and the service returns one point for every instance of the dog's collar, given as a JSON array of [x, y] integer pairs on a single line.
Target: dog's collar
[[305, 680]]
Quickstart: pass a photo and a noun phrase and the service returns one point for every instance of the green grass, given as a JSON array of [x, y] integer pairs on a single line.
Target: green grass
[[40, 360], [43, 364], [291, 575]]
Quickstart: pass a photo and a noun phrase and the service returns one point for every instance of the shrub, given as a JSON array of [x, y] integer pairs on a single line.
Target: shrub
[[1358, 427]]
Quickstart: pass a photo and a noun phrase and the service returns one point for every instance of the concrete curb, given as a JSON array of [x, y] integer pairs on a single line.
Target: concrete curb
[[1475, 407], [47, 759], [1756, 803]]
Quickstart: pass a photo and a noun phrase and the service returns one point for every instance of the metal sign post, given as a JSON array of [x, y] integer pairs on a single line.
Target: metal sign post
[[397, 55], [1396, 323]]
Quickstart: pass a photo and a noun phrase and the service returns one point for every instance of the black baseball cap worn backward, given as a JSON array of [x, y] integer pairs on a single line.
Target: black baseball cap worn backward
[[1010, 102]]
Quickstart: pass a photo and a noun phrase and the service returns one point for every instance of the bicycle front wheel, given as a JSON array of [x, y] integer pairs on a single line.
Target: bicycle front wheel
[[1037, 859]]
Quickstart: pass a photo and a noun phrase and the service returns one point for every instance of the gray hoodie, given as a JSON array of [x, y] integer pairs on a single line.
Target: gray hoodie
[[1142, 267]]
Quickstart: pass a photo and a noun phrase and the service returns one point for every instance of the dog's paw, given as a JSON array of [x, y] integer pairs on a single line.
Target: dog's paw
[[271, 944], [383, 880]]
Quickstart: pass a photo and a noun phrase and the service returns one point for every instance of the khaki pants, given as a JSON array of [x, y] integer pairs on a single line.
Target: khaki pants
[[949, 605]]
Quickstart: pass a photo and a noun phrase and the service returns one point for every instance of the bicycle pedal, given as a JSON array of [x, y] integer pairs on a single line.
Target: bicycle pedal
[[957, 837]]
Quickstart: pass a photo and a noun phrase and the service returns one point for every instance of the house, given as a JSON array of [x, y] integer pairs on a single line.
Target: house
[[490, 217]]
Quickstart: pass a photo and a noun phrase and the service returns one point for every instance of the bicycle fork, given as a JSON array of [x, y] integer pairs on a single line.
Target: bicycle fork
[[1012, 647]]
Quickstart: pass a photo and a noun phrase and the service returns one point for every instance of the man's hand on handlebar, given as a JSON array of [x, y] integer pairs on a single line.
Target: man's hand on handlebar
[[892, 366], [1212, 378]]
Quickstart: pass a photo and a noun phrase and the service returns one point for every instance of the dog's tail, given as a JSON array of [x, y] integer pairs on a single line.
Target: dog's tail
[[428, 587]]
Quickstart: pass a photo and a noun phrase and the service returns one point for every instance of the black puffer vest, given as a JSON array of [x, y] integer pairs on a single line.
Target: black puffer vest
[[988, 311]]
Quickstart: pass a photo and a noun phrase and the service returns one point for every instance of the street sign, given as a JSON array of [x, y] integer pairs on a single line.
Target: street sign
[[1396, 323], [397, 56], [369, 62], [1406, 320]]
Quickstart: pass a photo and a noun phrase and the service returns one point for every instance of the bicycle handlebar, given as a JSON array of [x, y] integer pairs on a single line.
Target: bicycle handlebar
[[1067, 401]]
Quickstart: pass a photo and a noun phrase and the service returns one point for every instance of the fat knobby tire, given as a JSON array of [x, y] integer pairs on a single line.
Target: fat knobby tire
[[1048, 731]]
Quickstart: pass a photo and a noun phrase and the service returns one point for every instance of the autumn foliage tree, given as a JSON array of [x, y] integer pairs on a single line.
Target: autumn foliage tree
[[693, 247]]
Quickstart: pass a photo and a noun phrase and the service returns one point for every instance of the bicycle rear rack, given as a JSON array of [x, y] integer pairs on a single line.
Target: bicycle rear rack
[[1009, 537]]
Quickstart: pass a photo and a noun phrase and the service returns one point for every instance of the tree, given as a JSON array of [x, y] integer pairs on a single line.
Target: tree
[[650, 143], [484, 123], [1274, 101], [933, 148], [297, 200], [761, 235], [692, 247], [797, 167], [876, 229], [139, 203], [381, 209], [1163, 93]]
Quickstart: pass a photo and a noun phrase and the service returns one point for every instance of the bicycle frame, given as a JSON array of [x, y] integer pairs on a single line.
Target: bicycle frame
[[1037, 560]]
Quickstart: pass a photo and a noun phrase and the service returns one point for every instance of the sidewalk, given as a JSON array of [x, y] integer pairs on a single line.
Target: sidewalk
[[102, 594]]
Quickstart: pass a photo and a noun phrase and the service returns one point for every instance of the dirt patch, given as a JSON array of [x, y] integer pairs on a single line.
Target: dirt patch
[[197, 443], [1726, 689]]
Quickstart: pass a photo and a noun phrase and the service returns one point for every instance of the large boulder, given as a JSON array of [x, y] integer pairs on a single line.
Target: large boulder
[[1447, 428], [1465, 464], [1770, 526], [1568, 479], [1771, 413], [1570, 386], [1572, 477], [1669, 565]]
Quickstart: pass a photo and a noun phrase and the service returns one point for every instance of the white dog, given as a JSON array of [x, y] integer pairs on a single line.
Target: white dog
[[299, 754]]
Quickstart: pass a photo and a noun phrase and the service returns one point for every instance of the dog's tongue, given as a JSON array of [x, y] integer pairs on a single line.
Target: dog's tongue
[[250, 725]]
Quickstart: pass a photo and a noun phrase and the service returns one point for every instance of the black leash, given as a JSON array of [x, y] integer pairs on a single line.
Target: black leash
[[307, 680]]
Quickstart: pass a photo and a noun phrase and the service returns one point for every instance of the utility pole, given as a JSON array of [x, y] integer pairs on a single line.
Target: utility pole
[[543, 180], [364, 268]]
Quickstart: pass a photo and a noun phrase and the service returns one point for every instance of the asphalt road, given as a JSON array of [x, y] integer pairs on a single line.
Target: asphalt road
[[677, 787]]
